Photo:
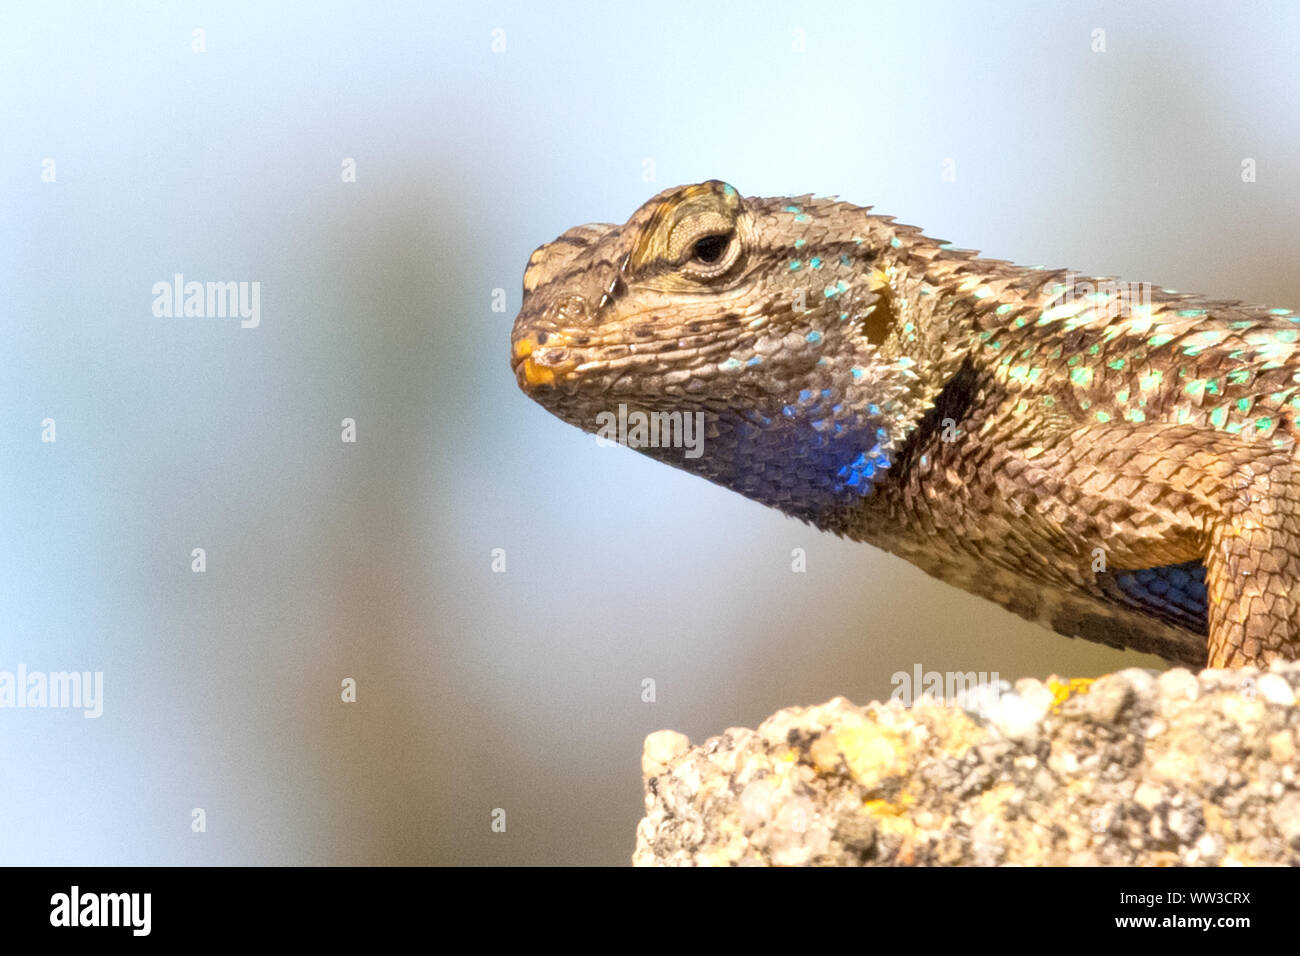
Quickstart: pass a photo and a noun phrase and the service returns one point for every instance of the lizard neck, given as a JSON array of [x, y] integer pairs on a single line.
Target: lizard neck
[[829, 449]]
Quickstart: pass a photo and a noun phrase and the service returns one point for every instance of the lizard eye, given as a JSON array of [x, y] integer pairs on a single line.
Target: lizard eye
[[699, 235], [711, 253], [710, 249]]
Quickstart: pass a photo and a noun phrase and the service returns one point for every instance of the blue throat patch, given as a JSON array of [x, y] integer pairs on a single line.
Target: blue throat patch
[[810, 459]]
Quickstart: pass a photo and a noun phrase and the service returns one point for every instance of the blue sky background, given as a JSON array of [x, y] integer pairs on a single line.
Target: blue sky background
[[518, 690]]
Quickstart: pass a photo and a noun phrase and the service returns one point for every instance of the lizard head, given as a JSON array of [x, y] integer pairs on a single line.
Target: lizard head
[[761, 330]]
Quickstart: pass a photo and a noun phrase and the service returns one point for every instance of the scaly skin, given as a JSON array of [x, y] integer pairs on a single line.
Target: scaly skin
[[1113, 461]]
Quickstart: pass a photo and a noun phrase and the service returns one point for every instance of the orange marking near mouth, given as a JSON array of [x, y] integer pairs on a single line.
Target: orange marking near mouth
[[535, 374]]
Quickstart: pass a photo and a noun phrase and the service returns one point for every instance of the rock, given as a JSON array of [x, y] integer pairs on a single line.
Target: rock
[[1274, 689], [1131, 769], [661, 748]]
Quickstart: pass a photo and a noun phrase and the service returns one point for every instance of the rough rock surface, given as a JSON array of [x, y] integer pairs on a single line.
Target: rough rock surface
[[1135, 768]]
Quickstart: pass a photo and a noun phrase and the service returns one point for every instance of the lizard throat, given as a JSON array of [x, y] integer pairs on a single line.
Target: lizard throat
[[800, 459]]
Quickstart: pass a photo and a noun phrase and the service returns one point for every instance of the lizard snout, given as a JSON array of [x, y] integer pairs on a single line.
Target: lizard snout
[[537, 361]]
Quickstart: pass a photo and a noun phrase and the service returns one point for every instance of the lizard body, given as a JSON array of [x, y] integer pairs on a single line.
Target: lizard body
[[1115, 462]]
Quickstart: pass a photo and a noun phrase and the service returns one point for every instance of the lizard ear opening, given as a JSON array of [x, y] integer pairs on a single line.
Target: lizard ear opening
[[878, 321]]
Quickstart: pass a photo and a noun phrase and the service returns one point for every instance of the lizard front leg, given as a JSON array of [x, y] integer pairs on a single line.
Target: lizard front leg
[[1153, 495], [1253, 567]]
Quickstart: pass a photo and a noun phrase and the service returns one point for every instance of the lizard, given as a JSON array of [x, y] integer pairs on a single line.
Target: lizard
[[1115, 462]]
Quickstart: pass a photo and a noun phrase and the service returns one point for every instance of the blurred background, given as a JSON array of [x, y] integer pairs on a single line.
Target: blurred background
[[476, 133]]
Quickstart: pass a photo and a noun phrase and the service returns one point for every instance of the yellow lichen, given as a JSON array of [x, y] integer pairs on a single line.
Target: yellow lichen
[[870, 752], [1063, 690]]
